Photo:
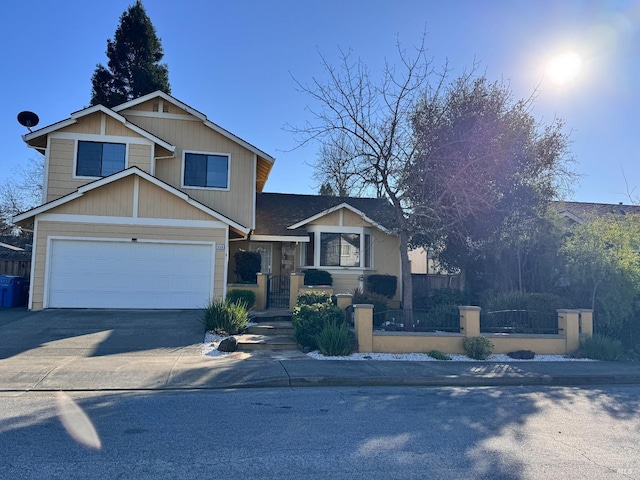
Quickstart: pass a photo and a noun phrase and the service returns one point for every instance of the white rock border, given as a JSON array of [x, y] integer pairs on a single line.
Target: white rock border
[[423, 357]]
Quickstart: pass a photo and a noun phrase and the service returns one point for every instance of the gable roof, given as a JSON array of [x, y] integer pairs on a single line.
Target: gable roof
[[88, 111], [117, 176], [199, 115], [581, 212], [284, 214]]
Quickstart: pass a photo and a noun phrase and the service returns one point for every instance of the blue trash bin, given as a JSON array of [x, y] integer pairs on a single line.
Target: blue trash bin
[[11, 291]]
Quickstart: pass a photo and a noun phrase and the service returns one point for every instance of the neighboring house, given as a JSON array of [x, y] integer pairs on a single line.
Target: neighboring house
[[349, 237], [145, 203], [580, 212]]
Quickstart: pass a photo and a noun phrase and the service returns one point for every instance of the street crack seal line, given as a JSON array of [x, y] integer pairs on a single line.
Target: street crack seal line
[[285, 371], [46, 375], [170, 374]]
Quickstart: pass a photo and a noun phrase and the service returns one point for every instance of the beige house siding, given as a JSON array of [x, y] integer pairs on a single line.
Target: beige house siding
[[332, 219], [140, 156], [154, 202], [148, 106], [343, 218], [236, 202], [114, 199], [46, 229], [344, 282], [116, 128], [90, 124], [60, 179], [386, 257], [351, 219]]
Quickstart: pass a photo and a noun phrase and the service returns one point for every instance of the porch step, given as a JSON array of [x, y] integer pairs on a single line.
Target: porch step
[[272, 328], [252, 341], [271, 315]]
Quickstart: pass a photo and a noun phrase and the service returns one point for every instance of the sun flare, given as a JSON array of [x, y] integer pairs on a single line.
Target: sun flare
[[564, 68]]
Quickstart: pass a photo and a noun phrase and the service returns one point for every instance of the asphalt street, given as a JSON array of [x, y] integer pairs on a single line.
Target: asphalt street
[[334, 433]]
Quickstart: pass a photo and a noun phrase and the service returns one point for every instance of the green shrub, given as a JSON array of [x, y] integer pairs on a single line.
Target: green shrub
[[380, 304], [599, 347], [515, 300], [248, 264], [308, 321], [247, 297], [384, 285], [448, 296], [478, 348], [438, 355], [317, 277], [334, 339], [439, 296], [313, 296], [225, 318]]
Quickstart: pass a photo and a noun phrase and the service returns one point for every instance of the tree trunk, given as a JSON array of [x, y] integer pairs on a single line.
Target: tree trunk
[[407, 280]]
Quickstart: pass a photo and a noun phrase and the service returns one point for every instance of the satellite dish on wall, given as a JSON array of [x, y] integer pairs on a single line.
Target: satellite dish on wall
[[28, 119]]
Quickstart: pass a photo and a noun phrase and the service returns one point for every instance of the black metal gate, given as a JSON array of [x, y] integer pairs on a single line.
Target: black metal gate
[[278, 291]]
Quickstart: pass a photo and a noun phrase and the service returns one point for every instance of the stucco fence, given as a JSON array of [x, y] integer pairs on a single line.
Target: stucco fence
[[260, 288], [572, 326]]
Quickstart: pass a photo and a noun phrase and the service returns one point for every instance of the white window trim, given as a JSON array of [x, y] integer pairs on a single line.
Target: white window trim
[[75, 155], [191, 187], [317, 230]]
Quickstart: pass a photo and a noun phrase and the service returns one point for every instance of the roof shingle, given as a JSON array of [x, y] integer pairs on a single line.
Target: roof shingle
[[277, 211]]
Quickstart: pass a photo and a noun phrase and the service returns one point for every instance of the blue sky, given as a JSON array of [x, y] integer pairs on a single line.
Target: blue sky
[[234, 61]]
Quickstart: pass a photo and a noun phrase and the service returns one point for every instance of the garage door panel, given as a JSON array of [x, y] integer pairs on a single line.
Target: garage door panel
[[105, 274]]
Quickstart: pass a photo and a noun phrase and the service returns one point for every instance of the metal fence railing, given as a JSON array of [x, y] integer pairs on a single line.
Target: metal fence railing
[[519, 321], [417, 320]]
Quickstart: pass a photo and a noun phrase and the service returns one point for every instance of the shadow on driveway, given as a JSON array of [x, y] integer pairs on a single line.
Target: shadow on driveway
[[94, 333]]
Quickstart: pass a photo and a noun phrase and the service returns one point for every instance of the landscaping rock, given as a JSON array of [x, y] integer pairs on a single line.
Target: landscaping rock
[[522, 355], [228, 345]]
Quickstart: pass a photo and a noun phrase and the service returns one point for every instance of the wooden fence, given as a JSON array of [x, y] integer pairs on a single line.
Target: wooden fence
[[423, 282], [15, 264]]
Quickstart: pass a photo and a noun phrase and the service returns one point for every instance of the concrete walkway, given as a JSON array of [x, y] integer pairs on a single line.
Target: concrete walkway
[[189, 370], [64, 350]]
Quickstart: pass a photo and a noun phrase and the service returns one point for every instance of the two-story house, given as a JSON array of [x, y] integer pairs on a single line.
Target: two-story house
[[145, 203]]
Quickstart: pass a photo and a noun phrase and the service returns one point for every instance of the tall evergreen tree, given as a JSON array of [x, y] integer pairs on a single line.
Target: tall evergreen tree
[[134, 55]]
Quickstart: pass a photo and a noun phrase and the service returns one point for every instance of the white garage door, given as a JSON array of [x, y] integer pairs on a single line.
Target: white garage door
[[104, 274]]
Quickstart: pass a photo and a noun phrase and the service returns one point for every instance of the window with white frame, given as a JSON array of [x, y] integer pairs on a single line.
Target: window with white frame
[[266, 253], [100, 159], [206, 170]]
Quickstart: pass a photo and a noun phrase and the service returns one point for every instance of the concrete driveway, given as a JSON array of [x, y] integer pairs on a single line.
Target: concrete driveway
[[96, 333]]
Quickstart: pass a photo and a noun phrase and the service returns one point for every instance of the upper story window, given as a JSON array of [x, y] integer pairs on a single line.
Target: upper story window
[[206, 170], [99, 159]]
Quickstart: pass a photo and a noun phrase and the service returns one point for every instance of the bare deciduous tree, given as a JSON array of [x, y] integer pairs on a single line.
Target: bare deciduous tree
[[367, 126], [454, 158], [22, 191]]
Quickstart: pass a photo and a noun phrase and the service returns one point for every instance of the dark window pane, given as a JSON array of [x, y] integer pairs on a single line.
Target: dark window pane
[[206, 170], [113, 158], [217, 168], [367, 251], [89, 159], [330, 249], [309, 254], [350, 250], [96, 159], [195, 170]]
